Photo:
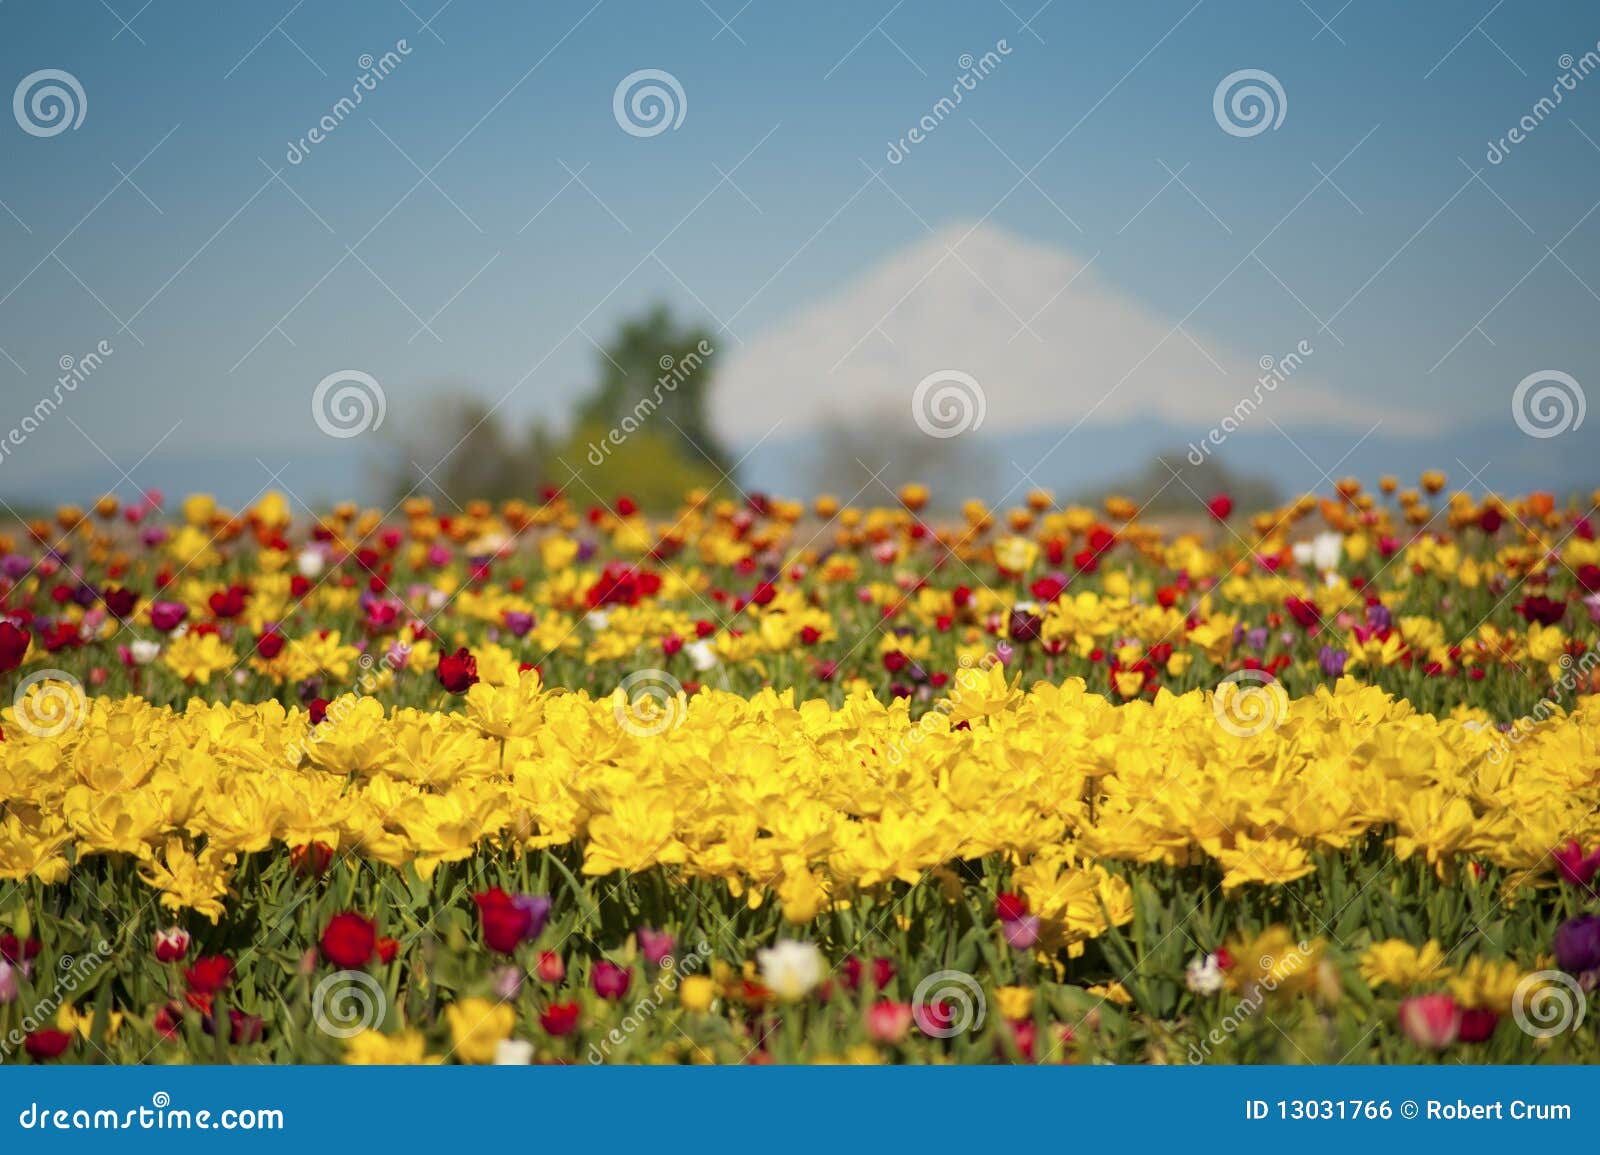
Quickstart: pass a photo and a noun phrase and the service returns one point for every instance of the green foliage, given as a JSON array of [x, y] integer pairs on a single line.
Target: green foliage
[[652, 395], [647, 466]]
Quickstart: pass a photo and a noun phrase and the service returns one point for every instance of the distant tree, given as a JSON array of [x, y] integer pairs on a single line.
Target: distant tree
[[875, 453], [658, 372], [648, 466], [644, 430], [459, 449], [1155, 489]]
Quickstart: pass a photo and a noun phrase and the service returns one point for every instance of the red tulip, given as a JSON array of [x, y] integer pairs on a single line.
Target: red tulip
[[503, 922], [457, 672], [13, 645], [47, 1044], [209, 975], [349, 940], [172, 944], [1009, 907], [14, 950], [1478, 1024], [559, 1018]]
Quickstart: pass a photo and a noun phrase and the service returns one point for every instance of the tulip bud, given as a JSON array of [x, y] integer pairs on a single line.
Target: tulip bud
[[171, 944], [550, 968]]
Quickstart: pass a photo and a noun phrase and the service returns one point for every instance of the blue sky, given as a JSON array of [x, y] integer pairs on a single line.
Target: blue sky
[[222, 290]]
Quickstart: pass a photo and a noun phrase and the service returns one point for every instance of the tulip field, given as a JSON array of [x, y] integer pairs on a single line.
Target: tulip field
[[761, 781]]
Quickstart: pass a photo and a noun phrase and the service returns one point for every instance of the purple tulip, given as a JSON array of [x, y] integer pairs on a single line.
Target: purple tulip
[[537, 908], [507, 982], [656, 945], [1578, 944], [1022, 932], [518, 622], [1332, 661]]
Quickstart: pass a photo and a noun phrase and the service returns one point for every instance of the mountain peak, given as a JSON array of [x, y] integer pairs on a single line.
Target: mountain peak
[[1047, 339]]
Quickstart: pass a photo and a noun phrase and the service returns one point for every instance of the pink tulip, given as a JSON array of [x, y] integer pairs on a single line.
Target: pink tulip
[[888, 1022], [609, 980], [1574, 865], [1431, 1021]]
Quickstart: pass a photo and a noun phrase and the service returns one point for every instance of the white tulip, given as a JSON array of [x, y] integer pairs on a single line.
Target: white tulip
[[791, 970]]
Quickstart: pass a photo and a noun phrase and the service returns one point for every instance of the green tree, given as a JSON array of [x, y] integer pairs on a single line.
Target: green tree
[[658, 371]]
